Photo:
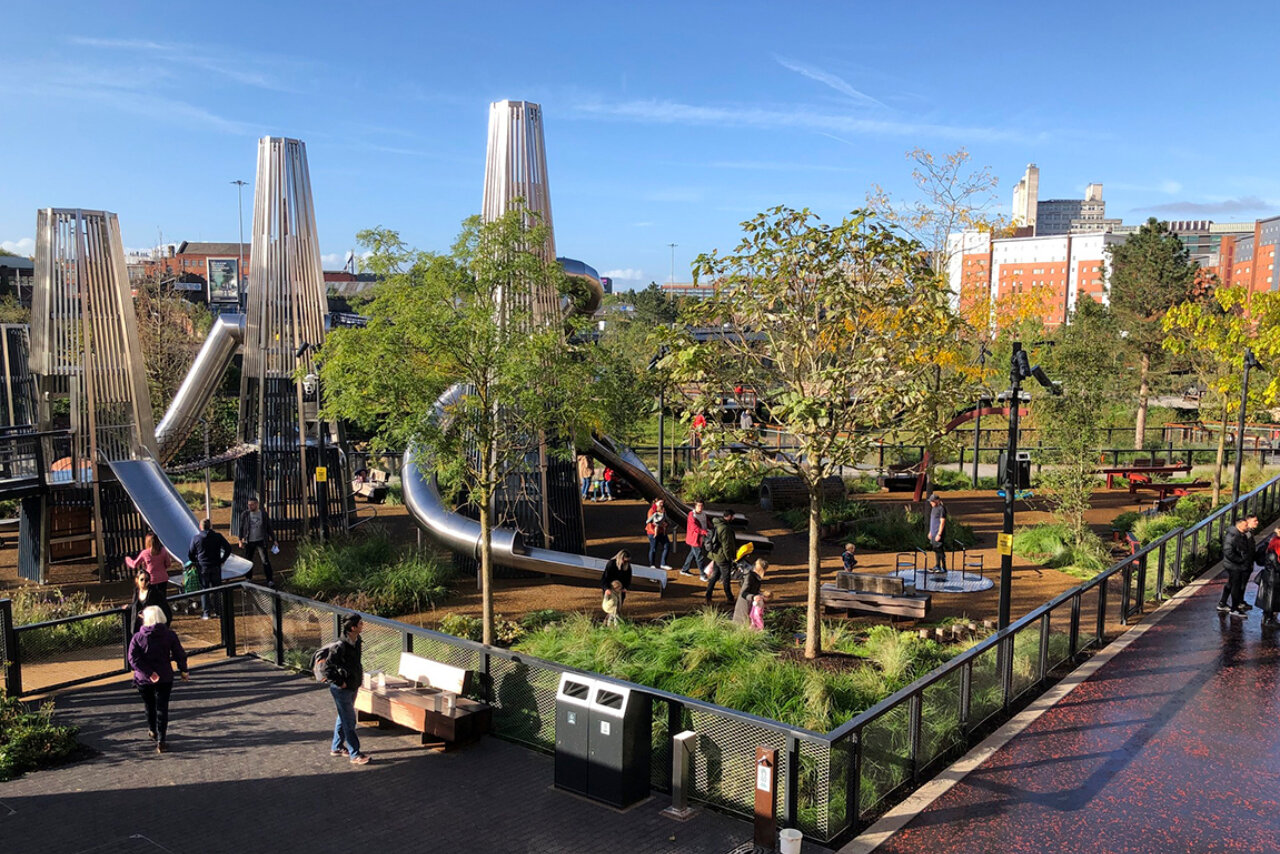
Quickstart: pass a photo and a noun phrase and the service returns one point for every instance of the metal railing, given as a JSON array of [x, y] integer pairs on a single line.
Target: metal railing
[[830, 784]]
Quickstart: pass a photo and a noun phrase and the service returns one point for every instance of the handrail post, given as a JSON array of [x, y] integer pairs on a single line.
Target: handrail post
[[915, 709], [1073, 642], [853, 780], [228, 621], [1006, 671], [1102, 611], [966, 695], [1044, 647], [126, 632], [13, 659], [1160, 571], [791, 802], [1142, 582], [277, 625]]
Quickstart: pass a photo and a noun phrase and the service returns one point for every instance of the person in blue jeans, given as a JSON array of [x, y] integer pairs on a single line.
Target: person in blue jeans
[[345, 673], [209, 550]]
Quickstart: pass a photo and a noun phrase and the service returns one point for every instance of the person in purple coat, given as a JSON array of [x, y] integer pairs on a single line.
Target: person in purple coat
[[150, 652]]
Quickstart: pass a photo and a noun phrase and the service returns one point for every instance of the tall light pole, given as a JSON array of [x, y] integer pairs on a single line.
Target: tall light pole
[[240, 246], [673, 262], [1250, 361]]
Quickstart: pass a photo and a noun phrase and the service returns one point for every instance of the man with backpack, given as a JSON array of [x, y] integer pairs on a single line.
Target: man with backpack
[[722, 546], [339, 665], [208, 551]]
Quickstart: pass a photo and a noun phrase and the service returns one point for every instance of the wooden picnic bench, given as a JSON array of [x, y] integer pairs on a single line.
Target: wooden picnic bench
[[1126, 471], [873, 594], [426, 697], [1163, 488]]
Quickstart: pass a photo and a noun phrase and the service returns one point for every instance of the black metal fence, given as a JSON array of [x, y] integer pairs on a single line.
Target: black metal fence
[[830, 784]]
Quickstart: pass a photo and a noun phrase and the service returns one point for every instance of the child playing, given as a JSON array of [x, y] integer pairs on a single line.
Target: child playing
[[850, 561], [757, 611], [612, 604]]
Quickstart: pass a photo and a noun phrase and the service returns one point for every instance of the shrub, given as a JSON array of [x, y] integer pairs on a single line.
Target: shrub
[[462, 626], [368, 574], [1052, 545], [9, 508], [698, 484], [1151, 528], [34, 605], [535, 620], [1124, 522], [30, 740], [395, 492], [194, 499], [833, 513], [951, 479], [861, 485]]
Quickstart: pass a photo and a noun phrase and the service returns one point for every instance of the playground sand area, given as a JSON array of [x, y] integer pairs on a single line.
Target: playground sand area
[[620, 524]]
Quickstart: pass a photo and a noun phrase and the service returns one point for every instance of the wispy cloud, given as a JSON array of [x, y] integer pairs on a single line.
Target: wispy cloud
[[800, 118], [1168, 186], [627, 273], [776, 166], [243, 68], [642, 225], [1242, 204], [826, 78], [21, 246]]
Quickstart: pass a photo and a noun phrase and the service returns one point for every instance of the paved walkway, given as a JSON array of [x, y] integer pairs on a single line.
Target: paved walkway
[[1172, 745], [249, 770]]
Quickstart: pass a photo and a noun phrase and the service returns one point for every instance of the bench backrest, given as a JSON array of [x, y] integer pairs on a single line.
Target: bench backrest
[[445, 677], [888, 585]]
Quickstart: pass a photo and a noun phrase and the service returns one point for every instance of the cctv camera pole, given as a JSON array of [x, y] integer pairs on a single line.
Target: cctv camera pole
[[1249, 362], [1010, 484]]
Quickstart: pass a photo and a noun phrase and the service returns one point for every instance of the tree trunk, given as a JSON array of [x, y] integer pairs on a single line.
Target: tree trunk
[[813, 625], [1144, 391], [486, 550], [1222, 453]]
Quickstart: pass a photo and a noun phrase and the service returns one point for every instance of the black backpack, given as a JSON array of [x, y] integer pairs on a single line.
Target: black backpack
[[322, 663], [711, 542]]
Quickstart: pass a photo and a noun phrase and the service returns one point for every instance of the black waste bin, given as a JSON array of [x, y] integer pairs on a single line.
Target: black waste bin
[[1022, 470], [573, 722], [620, 744]]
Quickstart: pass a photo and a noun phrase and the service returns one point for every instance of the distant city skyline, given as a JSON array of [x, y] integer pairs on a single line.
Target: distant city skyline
[[664, 124]]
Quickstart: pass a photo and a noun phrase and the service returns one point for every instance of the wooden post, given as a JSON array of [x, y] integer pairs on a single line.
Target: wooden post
[[766, 824]]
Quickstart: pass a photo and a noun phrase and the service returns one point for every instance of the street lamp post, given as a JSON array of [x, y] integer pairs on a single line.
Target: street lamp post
[[673, 262], [977, 422], [311, 384], [240, 246], [1250, 361]]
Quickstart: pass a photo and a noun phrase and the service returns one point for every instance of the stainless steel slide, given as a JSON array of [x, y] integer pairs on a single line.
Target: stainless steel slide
[[201, 382], [165, 511], [462, 535]]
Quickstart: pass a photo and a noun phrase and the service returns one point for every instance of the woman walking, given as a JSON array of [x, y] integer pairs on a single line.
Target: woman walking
[[145, 595], [1268, 597], [154, 558], [657, 527], [150, 653], [750, 590]]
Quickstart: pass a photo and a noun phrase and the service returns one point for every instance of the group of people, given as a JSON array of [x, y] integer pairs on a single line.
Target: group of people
[[1240, 557], [597, 480], [209, 550]]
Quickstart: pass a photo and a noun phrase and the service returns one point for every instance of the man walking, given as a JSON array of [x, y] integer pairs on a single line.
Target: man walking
[[1237, 559], [723, 556], [937, 525], [255, 535], [695, 531], [345, 673], [208, 551]]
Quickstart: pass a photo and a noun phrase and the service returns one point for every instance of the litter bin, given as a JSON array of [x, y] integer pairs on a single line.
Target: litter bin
[[1022, 470], [573, 721], [620, 744], [789, 841]]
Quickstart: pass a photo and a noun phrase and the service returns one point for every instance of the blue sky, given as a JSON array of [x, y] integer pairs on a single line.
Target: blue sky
[[665, 122]]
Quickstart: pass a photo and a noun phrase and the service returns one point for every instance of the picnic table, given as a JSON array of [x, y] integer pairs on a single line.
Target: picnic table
[[1126, 471]]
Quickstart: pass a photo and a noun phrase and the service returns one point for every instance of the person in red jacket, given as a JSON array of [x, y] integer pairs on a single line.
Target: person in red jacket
[[695, 532]]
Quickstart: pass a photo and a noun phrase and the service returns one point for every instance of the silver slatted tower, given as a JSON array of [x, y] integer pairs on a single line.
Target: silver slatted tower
[[85, 353], [285, 310], [542, 495]]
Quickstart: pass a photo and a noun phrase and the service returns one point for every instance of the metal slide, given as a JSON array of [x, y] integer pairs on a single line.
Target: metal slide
[[462, 535], [165, 511], [624, 461], [201, 382]]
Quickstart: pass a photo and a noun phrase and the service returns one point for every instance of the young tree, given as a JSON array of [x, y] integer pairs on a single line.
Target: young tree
[[440, 322], [1149, 273], [836, 329], [653, 307]]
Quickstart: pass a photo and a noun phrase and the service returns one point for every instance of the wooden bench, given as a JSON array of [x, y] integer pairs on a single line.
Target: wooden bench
[[886, 599], [1128, 471], [426, 696]]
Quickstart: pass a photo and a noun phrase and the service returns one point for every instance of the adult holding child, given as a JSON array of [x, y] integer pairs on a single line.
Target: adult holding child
[[618, 568], [657, 526], [723, 554], [749, 591]]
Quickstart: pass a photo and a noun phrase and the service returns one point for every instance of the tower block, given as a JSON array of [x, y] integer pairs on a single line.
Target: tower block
[[284, 327]]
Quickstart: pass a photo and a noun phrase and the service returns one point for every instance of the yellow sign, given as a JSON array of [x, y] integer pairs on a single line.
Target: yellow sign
[[322, 474], [1004, 542]]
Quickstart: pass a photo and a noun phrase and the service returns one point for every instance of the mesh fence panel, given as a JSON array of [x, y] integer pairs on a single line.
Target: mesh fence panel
[[255, 634], [985, 697], [841, 758], [660, 746], [195, 634], [524, 702], [432, 647], [380, 648], [723, 764], [1026, 659], [1089, 603], [71, 651], [303, 630], [1059, 636], [940, 729], [816, 792], [886, 757]]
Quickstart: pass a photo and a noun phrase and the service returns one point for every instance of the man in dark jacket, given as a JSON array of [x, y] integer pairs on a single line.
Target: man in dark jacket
[[257, 539], [1237, 559], [208, 551], [346, 673], [723, 556]]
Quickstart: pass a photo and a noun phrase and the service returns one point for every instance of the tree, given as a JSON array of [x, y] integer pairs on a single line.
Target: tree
[[653, 307], [438, 322], [1149, 273], [1213, 334], [836, 329], [952, 200]]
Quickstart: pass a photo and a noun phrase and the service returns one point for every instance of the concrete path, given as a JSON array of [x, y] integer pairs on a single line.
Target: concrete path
[[249, 770]]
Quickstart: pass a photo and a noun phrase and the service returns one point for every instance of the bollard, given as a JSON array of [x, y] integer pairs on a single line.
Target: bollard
[[682, 746], [766, 805]]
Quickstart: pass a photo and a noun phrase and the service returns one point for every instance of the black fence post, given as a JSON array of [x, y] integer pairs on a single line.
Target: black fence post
[[1073, 644], [915, 711], [486, 678], [853, 780], [1126, 575], [277, 626], [791, 803], [1102, 611], [126, 632], [229, 620], [406, 641], [13, 658], [966, 696], [1044, 647], [1160, 577], [1006, 671]]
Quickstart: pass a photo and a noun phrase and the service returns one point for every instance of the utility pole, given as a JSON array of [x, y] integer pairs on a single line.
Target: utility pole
[[240, 277], [1010, 486], [673, 262], [1250, 361]]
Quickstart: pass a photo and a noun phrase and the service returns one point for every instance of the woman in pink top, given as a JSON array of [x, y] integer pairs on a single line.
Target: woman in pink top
[[155, 559]]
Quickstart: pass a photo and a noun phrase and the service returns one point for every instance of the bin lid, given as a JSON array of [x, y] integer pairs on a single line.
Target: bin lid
[[575, 689], [609, 698]]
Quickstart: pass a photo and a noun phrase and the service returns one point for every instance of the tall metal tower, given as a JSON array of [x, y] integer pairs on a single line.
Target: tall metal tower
[[284, 326], [88, 368], [541, 493]]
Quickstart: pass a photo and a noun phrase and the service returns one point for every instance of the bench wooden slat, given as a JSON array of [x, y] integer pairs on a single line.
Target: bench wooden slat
[[877, 603]]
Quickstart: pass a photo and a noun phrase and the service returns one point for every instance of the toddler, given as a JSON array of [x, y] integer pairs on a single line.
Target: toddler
[[757, 611], [850, 561], [612, 604]]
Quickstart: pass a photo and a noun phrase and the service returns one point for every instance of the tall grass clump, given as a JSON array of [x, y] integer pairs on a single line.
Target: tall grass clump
[[34, 605], [368, 573], [1052, 545]]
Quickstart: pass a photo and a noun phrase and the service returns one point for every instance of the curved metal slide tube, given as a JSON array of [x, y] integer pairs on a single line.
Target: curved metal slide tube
[[462, 535], [201, 382]]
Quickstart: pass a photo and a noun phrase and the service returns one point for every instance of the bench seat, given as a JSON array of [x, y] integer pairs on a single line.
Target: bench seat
[[913, 607], [427, 697]]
